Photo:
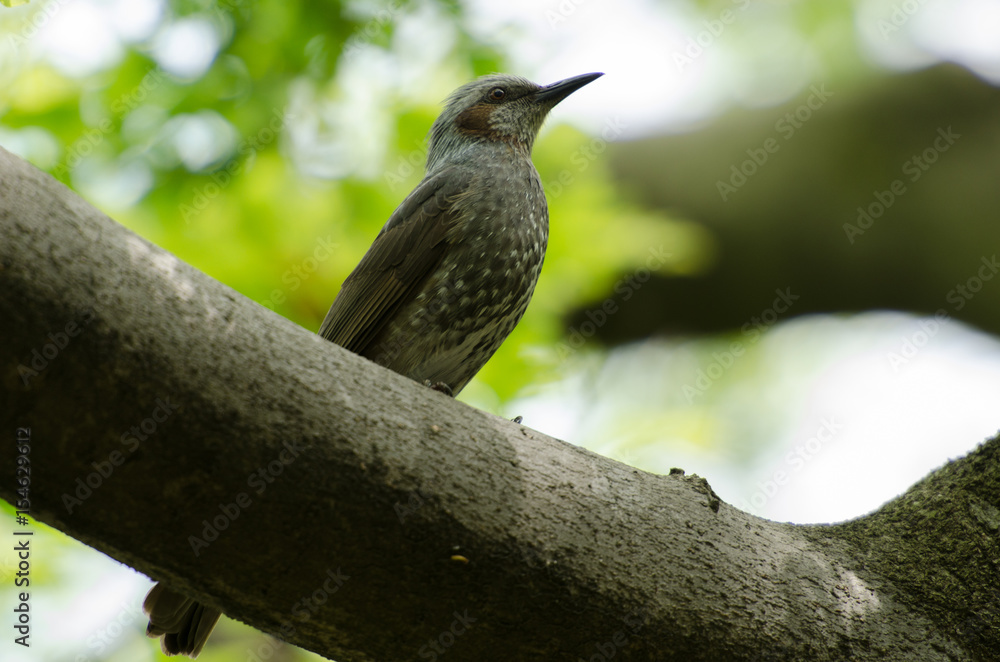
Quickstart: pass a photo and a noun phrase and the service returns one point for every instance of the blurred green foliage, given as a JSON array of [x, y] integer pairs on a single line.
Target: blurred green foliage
[[252, 168], [267, 142], [273, 167]]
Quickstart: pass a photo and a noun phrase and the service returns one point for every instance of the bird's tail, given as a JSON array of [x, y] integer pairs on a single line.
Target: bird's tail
[[183, 623]]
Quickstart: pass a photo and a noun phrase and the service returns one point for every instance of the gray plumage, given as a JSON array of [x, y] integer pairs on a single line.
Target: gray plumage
[[452, 271], [447, 278]]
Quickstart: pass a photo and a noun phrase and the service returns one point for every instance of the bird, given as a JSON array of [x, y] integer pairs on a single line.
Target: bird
[[453, 269], [446, 279]]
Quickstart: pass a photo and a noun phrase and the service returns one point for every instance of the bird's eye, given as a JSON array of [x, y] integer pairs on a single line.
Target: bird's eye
[[497, 94]]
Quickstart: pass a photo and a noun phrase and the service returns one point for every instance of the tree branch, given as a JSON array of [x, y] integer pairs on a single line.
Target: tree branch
[[188, 432]]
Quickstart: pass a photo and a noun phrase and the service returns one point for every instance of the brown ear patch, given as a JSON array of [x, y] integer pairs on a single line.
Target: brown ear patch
[[475, 119]]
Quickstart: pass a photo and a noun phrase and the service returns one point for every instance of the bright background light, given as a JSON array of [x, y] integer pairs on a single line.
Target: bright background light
[[670, 68]]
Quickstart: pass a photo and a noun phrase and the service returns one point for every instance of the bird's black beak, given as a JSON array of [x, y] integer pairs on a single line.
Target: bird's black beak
[[556, 92]]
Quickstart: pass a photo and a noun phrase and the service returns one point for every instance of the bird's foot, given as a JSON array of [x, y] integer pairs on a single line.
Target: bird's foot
[[440, 386], [517, 419]]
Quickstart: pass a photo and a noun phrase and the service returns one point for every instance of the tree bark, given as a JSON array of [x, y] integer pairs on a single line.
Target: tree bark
[[190, 433]]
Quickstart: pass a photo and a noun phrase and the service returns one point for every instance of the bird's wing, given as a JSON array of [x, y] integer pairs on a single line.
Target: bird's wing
[[403, 255]]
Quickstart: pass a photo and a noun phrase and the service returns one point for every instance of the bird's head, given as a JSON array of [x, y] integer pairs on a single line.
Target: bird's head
[[500, 109]]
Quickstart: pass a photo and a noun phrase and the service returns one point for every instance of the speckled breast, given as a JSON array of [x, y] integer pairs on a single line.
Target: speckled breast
[[479, 292]]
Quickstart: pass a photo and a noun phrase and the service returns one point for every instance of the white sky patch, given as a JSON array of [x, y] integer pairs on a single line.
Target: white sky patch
[[187, 47], [89, 608], [115, 185], [858, 410], [135, 20], [916, 33], [642, 46], [201, 139], [906, 403], [78, 38], [978, 23], [84, 37], [632, 42]]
